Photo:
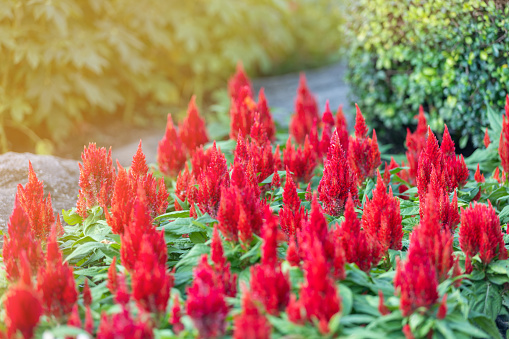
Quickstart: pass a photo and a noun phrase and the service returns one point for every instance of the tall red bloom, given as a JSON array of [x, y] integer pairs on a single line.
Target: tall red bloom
[[480, 232], [122, 326], [171, 152], [417, 284], [486, 139], [222, 266], [151, 281], [300, 160], [21, 239], [55, 282], [181, 187], [363, 153], [37, 208], [121, 204], [328, 127], [87, 295], [382, 219], [415, 143], [238, 81], [342, 129], [97, 177], [292, 215], [360, 247], [503, 146], [306, 112], [447, 211], [455, 165], [338, 180], [242, 111], [192, 131], [211, 181], [22, 304], [251, 323], [266, 116], [176, 316], [205, 302]]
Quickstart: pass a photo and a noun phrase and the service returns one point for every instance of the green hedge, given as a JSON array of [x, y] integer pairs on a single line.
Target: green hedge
[[449, 55], [63, 62]]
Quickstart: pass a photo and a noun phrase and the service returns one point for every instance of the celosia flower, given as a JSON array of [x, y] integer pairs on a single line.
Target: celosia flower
[[478, 176], [301, 161], [417, 284], [112, 276], [151, 282], [87, 295], [363, 153], [292, 215], [242, 111], [447, 211], [338, 180], [455, 165], [97, 177], [318, 295], [480, 232], [22, 304], [328, 126], [497, 177], [200, 160], [192, 131], [342, 129], [21, 239], [276, 180], [116, 284], [55, 282], [176, 316], [442, 309], [181, 186], [205, 302], [122, 326], [37, 208], [381, 306], [278, 164], [211, 181], [221, 266], [407, 331], [292, 253], [89, 321], [265, 115], [251, 323], [486, 139], [238, 81], [294, 311], [382, 219], [503, 146], [359, 247], [415, 143], [121, 204], [306, 112], [309, 194], [74, 319], [171, 152], [257, 133]]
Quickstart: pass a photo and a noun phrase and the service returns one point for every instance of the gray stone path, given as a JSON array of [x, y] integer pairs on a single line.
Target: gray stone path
[[326, 83]]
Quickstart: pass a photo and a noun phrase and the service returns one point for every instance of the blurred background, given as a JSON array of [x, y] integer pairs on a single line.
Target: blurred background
[[74, 71]]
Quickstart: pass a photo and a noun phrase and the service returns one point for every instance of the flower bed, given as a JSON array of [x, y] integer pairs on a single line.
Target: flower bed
[[253, 237]]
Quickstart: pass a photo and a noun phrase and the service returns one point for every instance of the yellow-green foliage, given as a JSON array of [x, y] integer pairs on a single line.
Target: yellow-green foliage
[[63, 61], [449, 55]]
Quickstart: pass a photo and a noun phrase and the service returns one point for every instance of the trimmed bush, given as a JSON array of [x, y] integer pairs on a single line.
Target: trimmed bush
[[67, 61], [451, 56]]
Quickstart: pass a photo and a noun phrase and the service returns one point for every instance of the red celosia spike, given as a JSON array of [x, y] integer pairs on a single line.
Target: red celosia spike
[[294, 311], [309, 193], [74, 320], [416, 283], [381, 306], [455, 166], [21, 239], [387, 174], [251, 323], [327, 117], [211, 181], [176, 316], [257, 132], [342, 129], [139, 166], [205, 302], [122, 325], [442, 309], [407, 331], [382, 219], [89, 321], [337, 181], [415, 143], [270, 286], [221, 266], [241, 150], [200, 161], [301, 161], [447, 147], [325, 141], [112, 276], [270, 234], [292, 215], [181, 186], [192, 131], [478, 176], [266, 116], [97, 177], [278, 165], [422, 124], [479, 219], [361, 130], [262, 161], [363, 155], [358, 246], [242, 110], [37, 208], [228, 213], [122, 295], [314, 141], [318, 295], [171, 152], [503, 146], [306, 112], [487, 140], [276, 180], [23, 309], [87, 295], [292, 253], [151, 282], [216, 250], [237, 81], [55, 282], [121, 203], [496, 175]]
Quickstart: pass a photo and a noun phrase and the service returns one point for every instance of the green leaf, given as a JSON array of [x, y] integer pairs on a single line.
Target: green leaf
[[346, 299], [198, 237], [486, 324], [71, 217], [83, 251]]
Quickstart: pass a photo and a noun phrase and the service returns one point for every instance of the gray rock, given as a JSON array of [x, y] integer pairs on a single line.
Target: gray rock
[[60, 177]]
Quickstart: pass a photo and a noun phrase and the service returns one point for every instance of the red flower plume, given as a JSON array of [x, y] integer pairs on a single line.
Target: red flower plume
[[221, 266], [415, 143], [503, 146], [251, 323], [342, 129], [192, 131], [455, 165], [486, 139], [306, 112], [171, 152], [292, 215], [242, 111], [122, 325], [300, 160], [265, 116], [237, 81]]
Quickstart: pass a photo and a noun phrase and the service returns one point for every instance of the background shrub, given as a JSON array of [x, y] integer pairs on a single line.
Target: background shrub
[[66, 61], [449, 55]]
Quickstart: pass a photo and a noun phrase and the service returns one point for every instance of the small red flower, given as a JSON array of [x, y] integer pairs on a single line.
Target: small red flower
[[192, 131], [121, 203], [242, 111], [251, 323], [222, 266], [87, 296], [300, 160], [478, 176], [238, 81], [265, 116], [503, 146], [97, 178], [292, 215], [306, 112], [381, 306], [112, 276], [455, 165], [363, 153], [442, 309], [342, 129], [171, 152], [122, 325], [338, 180], [176, 316], [408, 332], [486, 139], [415, 143]]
